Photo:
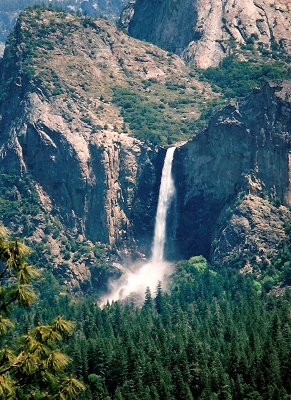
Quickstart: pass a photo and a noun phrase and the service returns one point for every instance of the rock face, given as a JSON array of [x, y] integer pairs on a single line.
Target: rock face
[[60, 125], [90, 176], [202, 31], [254, 229], [160, 22], [92, 180], [126, 15], [230, 177]]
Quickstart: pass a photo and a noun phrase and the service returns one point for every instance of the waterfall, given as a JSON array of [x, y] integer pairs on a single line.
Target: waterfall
[[167, 191], [137, 278]]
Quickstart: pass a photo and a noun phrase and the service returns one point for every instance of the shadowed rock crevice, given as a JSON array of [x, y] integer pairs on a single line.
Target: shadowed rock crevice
[[160, 22]]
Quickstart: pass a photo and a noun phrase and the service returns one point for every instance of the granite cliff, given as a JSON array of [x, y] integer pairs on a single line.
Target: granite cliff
[[233, 180], [204, 32], [62, 127], [83, 107]]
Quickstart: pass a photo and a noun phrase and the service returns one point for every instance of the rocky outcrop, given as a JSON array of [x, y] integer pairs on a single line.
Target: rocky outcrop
[[9, 11], [61, 126], [232, 177], [252, 230], [91, 180], [90, 176], [204, 32], [126, 15], [7, 21]]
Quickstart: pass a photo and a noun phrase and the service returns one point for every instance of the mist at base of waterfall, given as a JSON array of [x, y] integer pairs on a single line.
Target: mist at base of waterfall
[[136, 279]]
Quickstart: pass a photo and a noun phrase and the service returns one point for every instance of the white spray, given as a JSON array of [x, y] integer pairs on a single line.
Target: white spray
[[157, 269]]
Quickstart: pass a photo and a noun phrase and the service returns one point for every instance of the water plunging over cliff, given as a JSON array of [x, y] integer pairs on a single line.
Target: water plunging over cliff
[[157, 269], [167, 190]]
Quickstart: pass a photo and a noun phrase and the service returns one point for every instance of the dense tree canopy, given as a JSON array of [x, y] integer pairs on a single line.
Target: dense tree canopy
[[212, 335]]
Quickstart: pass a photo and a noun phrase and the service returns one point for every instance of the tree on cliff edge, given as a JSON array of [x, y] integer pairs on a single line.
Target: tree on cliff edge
[[31, 366]]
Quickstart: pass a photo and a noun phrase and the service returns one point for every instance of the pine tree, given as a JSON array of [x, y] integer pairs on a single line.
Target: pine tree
[[159, 298], [31, 366], [97, 386], [148, 302]]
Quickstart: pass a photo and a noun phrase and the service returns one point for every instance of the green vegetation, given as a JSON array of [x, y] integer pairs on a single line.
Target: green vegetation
[[236, 78], [28, 49], [212, 336], [152, 122], [268, 274], [31, 365], [20, 210], [16, 5], [19, 203], [216, 334], [159, 113], [279, 269], [146, 119]]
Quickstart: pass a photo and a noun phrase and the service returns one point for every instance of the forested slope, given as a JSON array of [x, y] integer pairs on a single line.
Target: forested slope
[[214, 335]]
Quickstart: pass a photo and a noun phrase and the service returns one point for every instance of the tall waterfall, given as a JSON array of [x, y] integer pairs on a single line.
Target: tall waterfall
[[167, 190], [137, 278]]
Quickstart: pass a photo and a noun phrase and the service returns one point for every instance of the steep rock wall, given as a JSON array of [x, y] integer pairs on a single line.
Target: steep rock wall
[[169, 24], [201, 30], [239, 163], [60, 123], [92, 181], [90, 173]]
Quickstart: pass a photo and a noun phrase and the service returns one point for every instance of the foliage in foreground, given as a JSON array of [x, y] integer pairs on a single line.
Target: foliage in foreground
[[31, 366], [212, 336]]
